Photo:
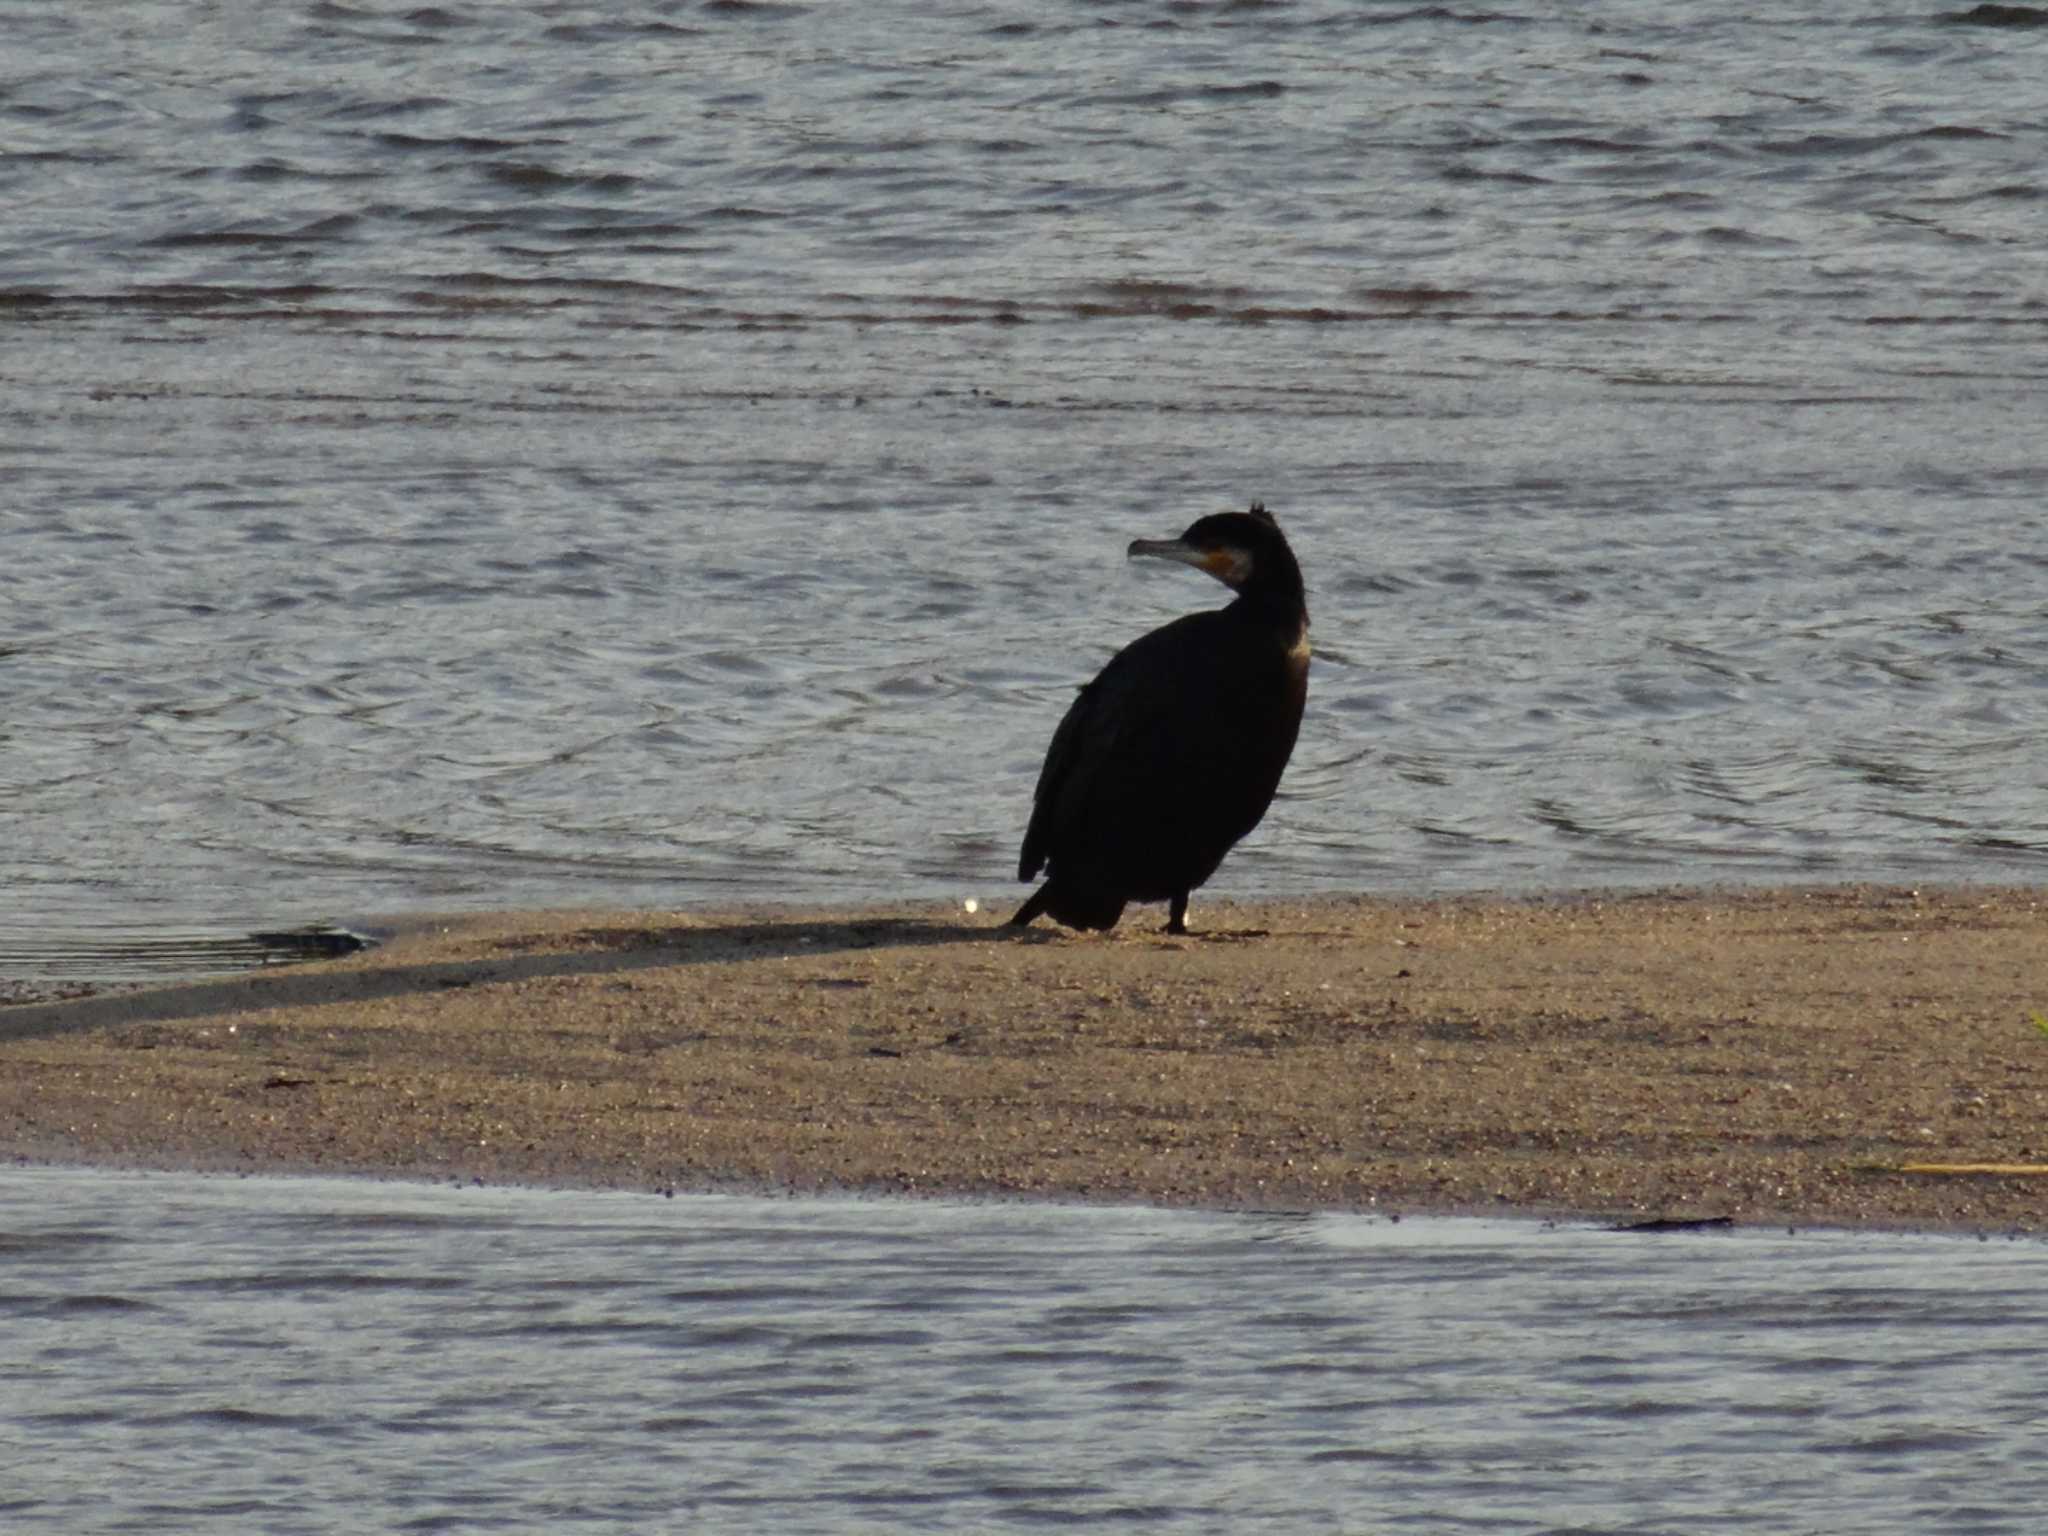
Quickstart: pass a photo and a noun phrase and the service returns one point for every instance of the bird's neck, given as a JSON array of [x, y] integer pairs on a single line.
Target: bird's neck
[[1282, 609]]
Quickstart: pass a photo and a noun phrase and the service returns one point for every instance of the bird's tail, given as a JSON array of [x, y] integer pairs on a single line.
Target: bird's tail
[[1077, 907], [1033, 907]]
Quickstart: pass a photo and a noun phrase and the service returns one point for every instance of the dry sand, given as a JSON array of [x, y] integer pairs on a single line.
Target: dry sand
[[1763, 1056]]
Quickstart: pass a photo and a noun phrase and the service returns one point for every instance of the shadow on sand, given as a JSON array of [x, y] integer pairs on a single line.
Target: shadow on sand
[[600, 949]]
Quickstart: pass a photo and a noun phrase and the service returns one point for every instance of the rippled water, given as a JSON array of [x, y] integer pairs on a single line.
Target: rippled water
[[312, 1356], [543, 453]]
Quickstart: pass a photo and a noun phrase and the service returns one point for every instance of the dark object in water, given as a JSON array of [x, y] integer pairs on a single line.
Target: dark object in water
[[1174, 751], [2019, 17], [314, 943], [1676, 1224]]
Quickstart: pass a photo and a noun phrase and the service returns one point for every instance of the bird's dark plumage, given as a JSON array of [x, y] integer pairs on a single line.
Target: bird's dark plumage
[[1174, 751]]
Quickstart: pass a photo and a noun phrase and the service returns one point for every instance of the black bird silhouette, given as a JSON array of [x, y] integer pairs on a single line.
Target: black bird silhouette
[[1174, 751]]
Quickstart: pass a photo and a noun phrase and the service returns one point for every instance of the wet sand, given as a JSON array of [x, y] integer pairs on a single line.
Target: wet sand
[[1778, 1056]]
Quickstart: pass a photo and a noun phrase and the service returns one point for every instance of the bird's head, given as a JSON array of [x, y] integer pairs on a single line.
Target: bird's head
[[1237, 548]]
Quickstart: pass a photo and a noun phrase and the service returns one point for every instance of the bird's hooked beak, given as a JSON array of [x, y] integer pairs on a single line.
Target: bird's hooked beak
[[1229, 566]]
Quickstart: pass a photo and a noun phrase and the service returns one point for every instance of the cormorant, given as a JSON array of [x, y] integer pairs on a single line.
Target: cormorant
[[1173, 753]]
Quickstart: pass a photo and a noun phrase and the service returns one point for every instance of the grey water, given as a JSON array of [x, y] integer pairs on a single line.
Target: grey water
[[275, 1355], [548, 454]]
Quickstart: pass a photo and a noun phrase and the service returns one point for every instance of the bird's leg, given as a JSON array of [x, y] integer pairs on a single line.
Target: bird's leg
[[1177, 914]]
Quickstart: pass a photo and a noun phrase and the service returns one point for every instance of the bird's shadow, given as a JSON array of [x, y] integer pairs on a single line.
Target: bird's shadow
[[1157, 937], [614, 948]]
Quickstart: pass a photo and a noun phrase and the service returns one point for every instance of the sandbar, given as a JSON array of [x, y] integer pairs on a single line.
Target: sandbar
[[1820, 1056]]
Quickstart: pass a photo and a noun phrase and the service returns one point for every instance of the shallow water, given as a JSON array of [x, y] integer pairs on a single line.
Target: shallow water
[[319, 1355], [543, 454]]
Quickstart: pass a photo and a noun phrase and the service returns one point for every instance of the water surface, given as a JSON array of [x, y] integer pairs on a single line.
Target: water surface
[[542, 454], [319, 1355]]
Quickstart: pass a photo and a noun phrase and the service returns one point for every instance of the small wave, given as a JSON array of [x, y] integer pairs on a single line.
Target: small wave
[[2017, 17], [435, 18], [404, 106], [1458, 174], [1442, 13], [1167, 95], [471, 144], [240, 1418], [100, 1302], [755, 10], [337, 226], [528, 177]]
